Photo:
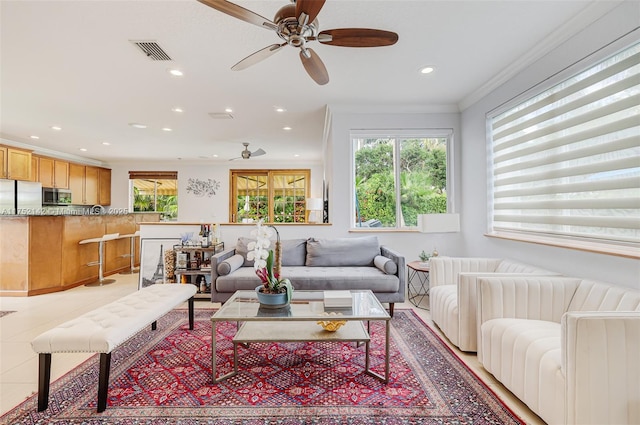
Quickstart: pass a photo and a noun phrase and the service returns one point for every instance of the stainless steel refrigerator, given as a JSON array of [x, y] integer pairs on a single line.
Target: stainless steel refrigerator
[[20, 197]]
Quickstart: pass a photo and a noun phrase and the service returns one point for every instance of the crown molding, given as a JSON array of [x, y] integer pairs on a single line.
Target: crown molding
[[591, 13]]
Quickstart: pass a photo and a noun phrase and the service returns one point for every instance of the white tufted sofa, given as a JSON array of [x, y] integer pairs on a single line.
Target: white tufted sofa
[[452, 294], [568, 348]]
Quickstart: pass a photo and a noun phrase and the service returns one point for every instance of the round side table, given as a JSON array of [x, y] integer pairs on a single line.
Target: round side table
[[418, 284]]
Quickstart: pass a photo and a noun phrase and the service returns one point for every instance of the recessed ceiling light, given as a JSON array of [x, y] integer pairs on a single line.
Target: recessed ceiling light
[[166, 129], [427, 70], [215, 156], [228, 110], [286, 128], [137, 125], [34, 137], [296, 155], [83, 149], [176, 72], [56, 128], [279, 109], [177, 109], [106, 143]]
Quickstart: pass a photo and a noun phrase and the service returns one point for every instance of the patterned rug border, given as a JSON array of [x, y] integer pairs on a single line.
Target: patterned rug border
[[153, 415]]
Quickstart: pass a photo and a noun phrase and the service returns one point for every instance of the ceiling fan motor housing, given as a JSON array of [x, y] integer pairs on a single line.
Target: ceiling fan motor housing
[[289, 28]]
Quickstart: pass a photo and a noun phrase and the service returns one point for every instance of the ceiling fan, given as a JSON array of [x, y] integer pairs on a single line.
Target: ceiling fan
[[246, 153], [296, 24]]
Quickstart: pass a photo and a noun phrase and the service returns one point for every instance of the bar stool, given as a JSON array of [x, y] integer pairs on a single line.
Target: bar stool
[[100, 263], [132, 252]]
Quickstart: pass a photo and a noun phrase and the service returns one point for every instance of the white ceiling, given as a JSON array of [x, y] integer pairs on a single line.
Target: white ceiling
[[72, 64]]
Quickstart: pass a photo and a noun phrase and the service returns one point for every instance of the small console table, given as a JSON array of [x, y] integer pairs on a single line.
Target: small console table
[[418, 284]]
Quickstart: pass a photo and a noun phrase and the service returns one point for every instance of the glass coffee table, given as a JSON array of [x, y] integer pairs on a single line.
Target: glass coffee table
[[297, 323]]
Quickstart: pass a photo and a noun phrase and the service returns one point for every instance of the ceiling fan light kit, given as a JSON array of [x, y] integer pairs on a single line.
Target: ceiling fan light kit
[[296, 25]]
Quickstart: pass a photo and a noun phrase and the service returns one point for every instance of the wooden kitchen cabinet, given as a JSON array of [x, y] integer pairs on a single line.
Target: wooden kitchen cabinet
[[15, 163], [83, 183], [3, 162], [104, 186], [34, 168], [53, 173]]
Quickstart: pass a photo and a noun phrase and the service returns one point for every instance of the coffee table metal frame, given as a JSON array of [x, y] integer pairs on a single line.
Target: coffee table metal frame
[[255, 324]]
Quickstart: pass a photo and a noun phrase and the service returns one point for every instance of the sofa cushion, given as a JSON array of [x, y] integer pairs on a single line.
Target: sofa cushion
[[294, 252], [230, 264], [242, 249], [342, 251], [385, 264]]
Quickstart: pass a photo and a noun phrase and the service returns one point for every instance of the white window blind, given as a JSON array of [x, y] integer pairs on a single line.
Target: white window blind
[[566, 163]]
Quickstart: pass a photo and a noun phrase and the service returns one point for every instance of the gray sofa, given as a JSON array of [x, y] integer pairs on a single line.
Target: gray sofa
[[318, 264]]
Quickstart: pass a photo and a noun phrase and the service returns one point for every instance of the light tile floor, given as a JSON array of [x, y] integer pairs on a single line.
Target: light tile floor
[[34, 315]]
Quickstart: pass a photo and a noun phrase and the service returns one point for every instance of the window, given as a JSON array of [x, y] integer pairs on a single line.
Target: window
[[566, 162], [397, 177], [155, 191], [277, 196]]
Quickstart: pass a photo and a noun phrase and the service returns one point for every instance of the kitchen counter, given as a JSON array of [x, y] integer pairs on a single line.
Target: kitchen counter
[[40, 253]]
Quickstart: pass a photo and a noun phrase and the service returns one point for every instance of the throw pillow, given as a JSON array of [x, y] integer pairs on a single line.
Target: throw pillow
[[385, 264], [241, 248], [342, 251], [294, 251], [230, 265]]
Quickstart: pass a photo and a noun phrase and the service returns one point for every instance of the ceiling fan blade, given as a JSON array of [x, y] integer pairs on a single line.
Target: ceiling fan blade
[[233, 159], [314, 66], [357, 37], [311, 8], [256, 57], [240, 13], [258, 152]]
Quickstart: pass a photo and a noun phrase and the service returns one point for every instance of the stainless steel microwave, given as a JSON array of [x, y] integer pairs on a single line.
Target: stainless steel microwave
[[53, 196]]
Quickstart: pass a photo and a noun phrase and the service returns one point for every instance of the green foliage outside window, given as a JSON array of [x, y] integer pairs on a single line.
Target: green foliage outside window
[[422, 180], [167, 205]]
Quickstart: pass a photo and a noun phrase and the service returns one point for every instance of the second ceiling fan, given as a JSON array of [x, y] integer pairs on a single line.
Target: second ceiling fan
[[296, 24]]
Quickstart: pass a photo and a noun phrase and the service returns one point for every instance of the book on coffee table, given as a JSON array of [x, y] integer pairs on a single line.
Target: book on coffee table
[[337, 298]]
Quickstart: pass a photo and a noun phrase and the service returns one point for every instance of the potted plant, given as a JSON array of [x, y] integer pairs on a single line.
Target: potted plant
[[275, 291], [424, 257]]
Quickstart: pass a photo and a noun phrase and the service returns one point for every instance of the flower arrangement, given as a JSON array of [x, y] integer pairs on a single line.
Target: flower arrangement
[[267, 264]]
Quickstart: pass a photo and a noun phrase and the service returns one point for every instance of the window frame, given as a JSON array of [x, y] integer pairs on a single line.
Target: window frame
[[593, 244], [155, 176], [423, 133], [270, 174]]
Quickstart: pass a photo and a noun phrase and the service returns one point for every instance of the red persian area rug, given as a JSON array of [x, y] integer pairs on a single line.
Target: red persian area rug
[[164, 377]]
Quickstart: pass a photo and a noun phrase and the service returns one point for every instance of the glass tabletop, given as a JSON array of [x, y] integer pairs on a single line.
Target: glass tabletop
[[305, 305]]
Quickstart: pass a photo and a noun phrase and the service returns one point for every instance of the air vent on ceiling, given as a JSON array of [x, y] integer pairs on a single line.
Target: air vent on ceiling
[[152, 50], [220, 115]]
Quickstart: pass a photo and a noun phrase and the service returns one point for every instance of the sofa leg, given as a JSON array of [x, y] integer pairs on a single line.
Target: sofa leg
[[391, 309]]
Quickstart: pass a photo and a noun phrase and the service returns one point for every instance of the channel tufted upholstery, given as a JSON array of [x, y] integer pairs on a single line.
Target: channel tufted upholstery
[[566, 347], [453, 288]]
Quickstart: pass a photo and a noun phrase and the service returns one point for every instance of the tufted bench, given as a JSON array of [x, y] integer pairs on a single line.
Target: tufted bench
[[104, 329]]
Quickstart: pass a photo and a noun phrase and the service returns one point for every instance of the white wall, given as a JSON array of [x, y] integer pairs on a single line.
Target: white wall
[[192, 208], [474, 153], [343, 121]]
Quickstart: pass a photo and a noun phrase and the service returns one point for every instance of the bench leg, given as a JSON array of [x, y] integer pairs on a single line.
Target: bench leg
[[103, 381], [44, 376], [191, 313], [154, 326]]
